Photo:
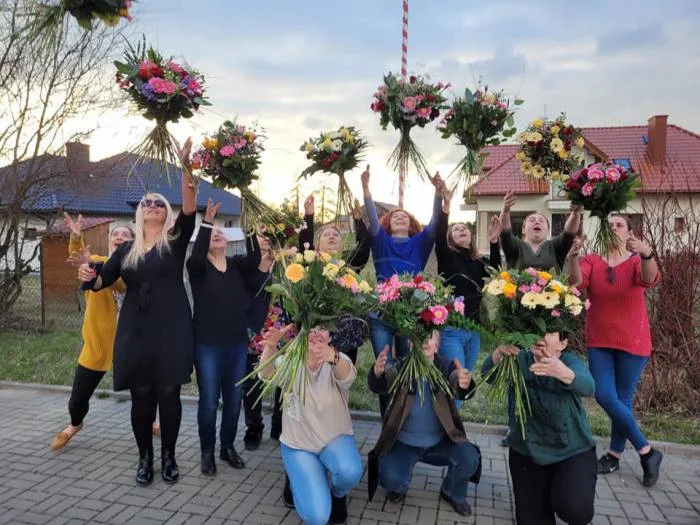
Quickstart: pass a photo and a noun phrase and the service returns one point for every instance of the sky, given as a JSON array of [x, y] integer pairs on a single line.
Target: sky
[[298, 68]]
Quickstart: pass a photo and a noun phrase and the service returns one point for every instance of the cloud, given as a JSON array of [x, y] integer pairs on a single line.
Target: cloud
[[635, 38]]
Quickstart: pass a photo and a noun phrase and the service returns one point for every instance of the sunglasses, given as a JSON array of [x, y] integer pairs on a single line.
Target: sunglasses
[[152, 203], [610, 276]]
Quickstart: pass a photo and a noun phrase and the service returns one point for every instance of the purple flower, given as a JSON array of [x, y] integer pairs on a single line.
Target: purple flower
[[147, 91]]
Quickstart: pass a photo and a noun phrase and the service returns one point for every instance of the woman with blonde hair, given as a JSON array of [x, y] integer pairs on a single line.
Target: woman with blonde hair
[[153, 349], [99, 327]]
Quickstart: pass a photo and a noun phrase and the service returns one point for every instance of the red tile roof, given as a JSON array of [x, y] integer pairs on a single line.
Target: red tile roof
[[59, 229], [680, 173]]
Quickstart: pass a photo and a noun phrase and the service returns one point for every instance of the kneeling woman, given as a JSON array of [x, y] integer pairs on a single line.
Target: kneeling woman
[[554, 470], [317, 436]]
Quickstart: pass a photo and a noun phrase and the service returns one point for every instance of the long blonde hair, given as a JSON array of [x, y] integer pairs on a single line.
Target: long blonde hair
[[138, 247]]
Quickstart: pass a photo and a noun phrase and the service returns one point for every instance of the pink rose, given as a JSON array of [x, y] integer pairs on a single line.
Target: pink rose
[[556, 313], [531, 272], [227, 150], [162, 86], [575, 291], [459, 305], [587, 189], [595, 174], [423, 112], [612, 174], [542, 282], [524, 288], [409, 104], [535, 289]]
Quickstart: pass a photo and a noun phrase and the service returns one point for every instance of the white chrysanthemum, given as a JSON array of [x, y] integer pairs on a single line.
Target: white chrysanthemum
[[337, 145]]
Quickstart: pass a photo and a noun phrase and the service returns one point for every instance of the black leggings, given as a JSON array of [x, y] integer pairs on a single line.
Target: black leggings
[[566, 488], [85, 383], [144, 402]]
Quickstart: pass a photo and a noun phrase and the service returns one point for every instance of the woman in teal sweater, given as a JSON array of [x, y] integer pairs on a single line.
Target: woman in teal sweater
[[554, 468]]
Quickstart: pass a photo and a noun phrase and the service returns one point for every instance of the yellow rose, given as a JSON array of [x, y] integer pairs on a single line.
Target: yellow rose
[[555, 129], [505, 276], [295, 272], [535, 136], [326, 144], [331, 271], [510, 290], [349, 271], [309, 147], [325, 257], [537, 123], [209, 143], [365, 287], [309, 256], [556, 145], [580, 142], [556, 175], [299, 258], [520, 155], [558, 286], [563, 154], [544, 275], [537, 171]]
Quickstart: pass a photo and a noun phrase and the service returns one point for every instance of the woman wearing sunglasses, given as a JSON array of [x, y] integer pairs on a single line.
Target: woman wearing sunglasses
[[618, 339], [153, 349]]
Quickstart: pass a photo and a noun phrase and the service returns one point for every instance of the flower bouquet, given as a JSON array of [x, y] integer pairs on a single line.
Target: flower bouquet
[[314, 289], [528, 304], [602, 189], [277, 319], [231, 158], [49, 18], [406, 105], [285, 234], [546, 149], [164, 92], [416, 306], [477, 120], [336, 152]]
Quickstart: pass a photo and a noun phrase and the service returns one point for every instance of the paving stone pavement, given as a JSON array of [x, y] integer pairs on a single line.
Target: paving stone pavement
[[92, 479]]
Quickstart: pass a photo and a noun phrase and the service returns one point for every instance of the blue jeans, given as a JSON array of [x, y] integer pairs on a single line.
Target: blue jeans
[[462, 460], [616, 374], [461, 344], [383, 334], [308, 476], [219, 369]]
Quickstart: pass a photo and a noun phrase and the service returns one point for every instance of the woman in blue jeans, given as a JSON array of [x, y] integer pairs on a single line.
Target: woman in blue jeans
[[399, 245], [459, 263], [317, 444], [221, 337]]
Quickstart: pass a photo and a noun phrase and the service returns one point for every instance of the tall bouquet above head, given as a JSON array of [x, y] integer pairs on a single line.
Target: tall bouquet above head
[[416, 306], [480, 119], [48, 18], [405, 105], [546, 149], [315, 290], [602, 188], [285, 234], [231, 157], [528, 304], [337, 151], [163, 91]]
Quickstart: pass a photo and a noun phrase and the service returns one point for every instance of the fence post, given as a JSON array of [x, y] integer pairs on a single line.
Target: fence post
[[41, 284]]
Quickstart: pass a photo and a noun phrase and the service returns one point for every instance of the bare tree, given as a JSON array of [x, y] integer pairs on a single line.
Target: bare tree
[[43, 86]]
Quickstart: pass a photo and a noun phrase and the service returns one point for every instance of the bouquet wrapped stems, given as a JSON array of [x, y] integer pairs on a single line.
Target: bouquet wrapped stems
[[605, 240], [346, 200], [290, 368], [161, 148], [416, 368], [407, 151], [255, 213]]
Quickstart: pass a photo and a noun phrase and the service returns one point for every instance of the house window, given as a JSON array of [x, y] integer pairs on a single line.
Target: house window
[[228, 224], [516, 221], [30, 234], [625, 163], [558, 222], [679, 225]]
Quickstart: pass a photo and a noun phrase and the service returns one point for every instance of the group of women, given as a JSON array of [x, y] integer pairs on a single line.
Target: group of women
[[158, 340]]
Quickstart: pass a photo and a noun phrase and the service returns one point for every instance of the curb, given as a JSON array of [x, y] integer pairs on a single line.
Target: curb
[[666, 447]]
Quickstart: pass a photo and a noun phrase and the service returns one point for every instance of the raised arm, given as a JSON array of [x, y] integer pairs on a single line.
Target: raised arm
[[359, 255], [494, 233], [198, 258], [306, 235], [251, 259], [440, 193], [508, 202], [573, 221], [189, 189], [371, 211]]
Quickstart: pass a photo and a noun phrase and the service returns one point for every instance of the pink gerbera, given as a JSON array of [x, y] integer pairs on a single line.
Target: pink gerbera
[[227, 150], [439, 314], [409, 104], [587, 189], [162, 86]]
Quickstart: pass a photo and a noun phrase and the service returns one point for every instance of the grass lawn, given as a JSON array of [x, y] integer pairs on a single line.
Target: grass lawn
[[50, 358]]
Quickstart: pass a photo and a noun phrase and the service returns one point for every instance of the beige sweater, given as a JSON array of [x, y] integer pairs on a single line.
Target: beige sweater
[[310, 424]]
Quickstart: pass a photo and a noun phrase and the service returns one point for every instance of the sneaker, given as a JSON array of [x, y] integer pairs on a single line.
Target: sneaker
[[287, 496], [339, 510], [395, 497], [608, 464], [252, 438], [460, 507], [651, 464]]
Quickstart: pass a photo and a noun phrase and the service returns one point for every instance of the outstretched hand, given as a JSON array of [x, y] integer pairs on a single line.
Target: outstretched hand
[[75, 227], [212, 210], [309, 204], [380, 363], [364, 178], [638, 246], [509, 201], [464, 376], [494, 230], [447, 198]]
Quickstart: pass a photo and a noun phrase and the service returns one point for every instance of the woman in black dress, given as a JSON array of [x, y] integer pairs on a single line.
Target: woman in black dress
[[221, 337], [154, 343]]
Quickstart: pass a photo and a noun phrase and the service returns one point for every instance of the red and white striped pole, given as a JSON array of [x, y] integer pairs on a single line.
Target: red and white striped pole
[[404, 67]]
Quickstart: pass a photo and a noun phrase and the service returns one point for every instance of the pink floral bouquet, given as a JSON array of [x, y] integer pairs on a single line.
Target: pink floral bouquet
[[416, 306], [405, 105], [49, 18], [602, 188], [163, 91]]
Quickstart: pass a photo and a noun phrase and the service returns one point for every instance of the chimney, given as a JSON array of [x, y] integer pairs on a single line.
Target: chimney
[[657, 139], [78, 158]]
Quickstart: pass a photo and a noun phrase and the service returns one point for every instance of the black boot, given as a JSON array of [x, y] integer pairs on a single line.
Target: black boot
[[253, 436], [339, 510], [208, 463], [230, 456], [144, 472], [169, 472], [287, 496], [651, 465]]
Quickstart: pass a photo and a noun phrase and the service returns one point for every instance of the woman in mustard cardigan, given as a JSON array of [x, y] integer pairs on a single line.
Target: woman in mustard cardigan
[[99, 327]]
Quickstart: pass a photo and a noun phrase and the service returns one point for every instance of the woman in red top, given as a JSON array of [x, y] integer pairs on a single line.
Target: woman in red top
[[619, 340]]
